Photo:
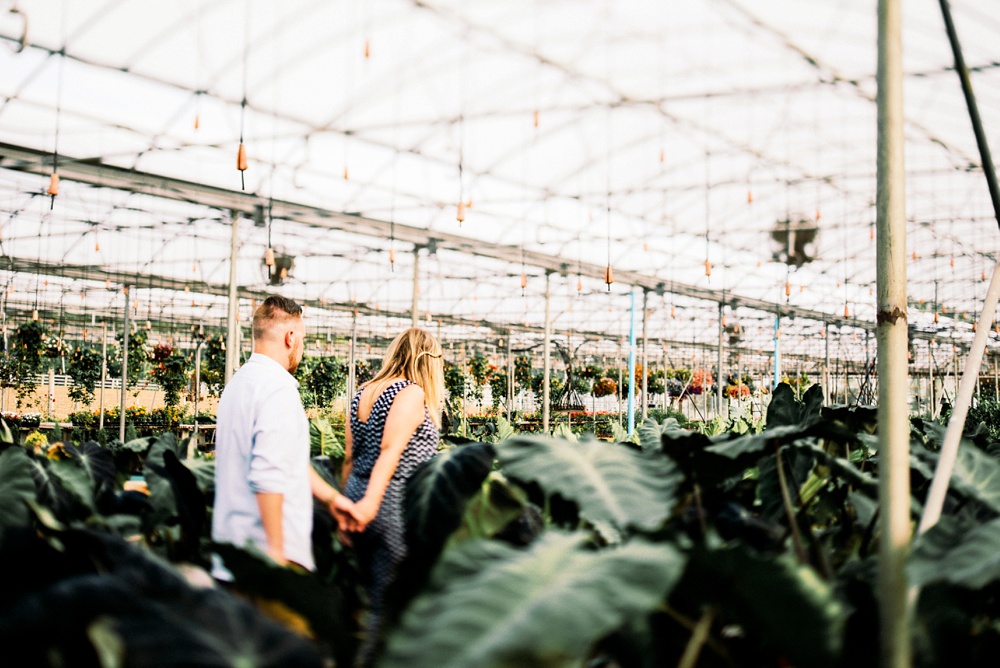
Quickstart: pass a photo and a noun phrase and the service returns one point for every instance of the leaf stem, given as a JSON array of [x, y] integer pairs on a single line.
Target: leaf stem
[[698, 638], [786, 500]]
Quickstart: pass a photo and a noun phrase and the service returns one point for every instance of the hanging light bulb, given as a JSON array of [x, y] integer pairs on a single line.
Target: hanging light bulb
[[708, 267], [368, 49], [97, 247], [871, 233], [187, 288], [609, 276], [149, 325], [788, 289], [952, 262], [107, 284], [269, 257], [197, 122], [758, 264], [535, 119], [53, 188], [817, 214], [982, 275], [723, 319], [579, 284], [345, 173], [802, 288], [194, 267], [749, 197], [847, 311], [524, 281], [914, 255], [673, 311], [460, 214], [241, 161], [284, 273], [34, 314], [973, 326], [392, 256], [645, 247]]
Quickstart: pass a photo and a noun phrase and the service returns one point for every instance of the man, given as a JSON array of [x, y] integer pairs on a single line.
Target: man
[[264, 482]]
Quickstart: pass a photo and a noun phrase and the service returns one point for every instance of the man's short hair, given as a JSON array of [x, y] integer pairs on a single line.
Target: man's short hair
[[274, 309]]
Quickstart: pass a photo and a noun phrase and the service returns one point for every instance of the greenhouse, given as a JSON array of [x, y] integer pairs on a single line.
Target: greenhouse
[[702, 274]]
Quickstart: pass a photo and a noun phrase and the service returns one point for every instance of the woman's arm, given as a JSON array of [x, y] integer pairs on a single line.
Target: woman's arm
[[405, 416], [345, 470]]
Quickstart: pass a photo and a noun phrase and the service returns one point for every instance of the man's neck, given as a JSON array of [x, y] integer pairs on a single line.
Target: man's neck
[[278, 355]]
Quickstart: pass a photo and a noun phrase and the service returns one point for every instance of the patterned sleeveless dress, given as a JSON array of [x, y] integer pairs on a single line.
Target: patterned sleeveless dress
[[382, 546]]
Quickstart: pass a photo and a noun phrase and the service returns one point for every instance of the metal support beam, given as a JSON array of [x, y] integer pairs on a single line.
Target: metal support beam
[[232, 317], [718, 368], [645, 355], [546, 355], [93, 172]]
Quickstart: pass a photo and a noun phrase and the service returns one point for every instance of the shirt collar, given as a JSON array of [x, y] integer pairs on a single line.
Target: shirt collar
[[272, 365]]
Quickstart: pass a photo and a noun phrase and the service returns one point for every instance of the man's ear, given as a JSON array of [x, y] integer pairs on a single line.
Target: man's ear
[[290, 338]]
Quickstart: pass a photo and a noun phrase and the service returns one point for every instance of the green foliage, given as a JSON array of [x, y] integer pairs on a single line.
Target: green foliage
[[498, 388], [490, 604], [169, 371], [610, 484], [323, 441], [213, 364], [138, 357], [531, 550], [522, 372], [84, 365], [25, 358], [326, 381], [454, 383]]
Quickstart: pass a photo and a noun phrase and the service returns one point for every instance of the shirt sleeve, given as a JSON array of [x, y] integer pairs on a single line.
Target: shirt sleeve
[[271, 452]]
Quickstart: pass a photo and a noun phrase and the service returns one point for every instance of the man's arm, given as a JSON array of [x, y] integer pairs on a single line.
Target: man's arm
[[270, 505]]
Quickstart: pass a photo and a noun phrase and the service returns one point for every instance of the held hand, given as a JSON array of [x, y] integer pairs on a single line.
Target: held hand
[[365, 511], [344, 512]]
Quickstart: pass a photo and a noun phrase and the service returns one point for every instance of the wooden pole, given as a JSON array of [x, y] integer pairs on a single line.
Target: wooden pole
[[232, 315], [125, 335], [104, 374], [891, 321], [414, 307]]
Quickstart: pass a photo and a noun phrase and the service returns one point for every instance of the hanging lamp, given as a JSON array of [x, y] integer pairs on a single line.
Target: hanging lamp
[[269, 257], [609, 276]]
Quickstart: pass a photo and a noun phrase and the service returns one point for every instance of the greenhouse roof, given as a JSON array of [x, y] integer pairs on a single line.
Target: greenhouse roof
[[720, 151]]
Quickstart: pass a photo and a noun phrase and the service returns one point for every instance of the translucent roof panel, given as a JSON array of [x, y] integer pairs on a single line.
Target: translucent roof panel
[[722, 148]]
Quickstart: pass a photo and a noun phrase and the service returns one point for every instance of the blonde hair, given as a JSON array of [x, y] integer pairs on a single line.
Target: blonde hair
[[416, 356]]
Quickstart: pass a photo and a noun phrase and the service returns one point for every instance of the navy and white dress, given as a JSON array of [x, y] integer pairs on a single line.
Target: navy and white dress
[[382, 546]]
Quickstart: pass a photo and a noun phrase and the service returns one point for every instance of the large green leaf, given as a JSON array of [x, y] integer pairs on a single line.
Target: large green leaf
[[650, 433], [75, 480], [609, 483], [781, 604], [323, 441], [962, 552], [490, 604], [437, 492], [504, 429], [976, 474], [16, 487], [97, 461], [491, 509], [785, 409]]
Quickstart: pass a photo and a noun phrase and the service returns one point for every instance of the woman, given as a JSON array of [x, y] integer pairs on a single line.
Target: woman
[[394, 427]]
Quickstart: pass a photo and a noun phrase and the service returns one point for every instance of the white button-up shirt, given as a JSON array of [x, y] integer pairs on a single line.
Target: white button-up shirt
[[262, 445]]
